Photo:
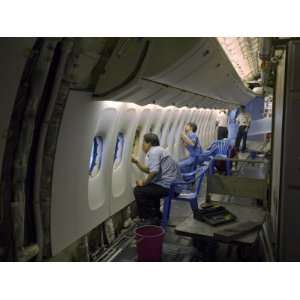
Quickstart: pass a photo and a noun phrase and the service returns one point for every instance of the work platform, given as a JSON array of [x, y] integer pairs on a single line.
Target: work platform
[[194, 228]]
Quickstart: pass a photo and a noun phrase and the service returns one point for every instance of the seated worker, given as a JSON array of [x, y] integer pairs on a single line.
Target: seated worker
[[162, 170], [192, 144]]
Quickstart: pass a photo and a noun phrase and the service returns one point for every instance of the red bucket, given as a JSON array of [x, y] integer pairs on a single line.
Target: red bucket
[[149, 240]]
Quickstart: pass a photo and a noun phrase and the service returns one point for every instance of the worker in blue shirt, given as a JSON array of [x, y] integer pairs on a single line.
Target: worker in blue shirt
[[162, 171], [192, 144]]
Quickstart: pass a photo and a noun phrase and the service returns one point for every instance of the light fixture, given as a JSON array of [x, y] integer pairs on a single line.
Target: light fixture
[[243, 54]]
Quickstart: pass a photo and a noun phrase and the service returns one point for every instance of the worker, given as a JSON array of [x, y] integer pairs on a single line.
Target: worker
[[222, 123], [243, 121], [161, 170], [192, 144]]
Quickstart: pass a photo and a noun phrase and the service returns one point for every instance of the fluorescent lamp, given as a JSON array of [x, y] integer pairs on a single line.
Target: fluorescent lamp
[[243, 54]]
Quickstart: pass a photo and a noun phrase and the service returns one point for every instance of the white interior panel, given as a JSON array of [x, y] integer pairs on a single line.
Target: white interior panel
[[194, 116], [168, 122], [122, 193], [202, 122], [144, 125], [198, 122], [99, 186], [173, 130], [83, 202], [206, 128], [179, 148]]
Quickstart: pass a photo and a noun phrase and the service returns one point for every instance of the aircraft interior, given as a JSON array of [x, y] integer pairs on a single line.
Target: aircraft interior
[[74, 111]]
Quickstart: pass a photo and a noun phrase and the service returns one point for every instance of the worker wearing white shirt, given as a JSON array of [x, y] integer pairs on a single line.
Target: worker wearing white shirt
[[222, 122], [243, 120]]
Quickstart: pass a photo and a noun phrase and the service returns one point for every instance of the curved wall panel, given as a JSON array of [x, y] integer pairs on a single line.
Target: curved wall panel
[[98, 187], [198, 121], [121, 191], [168, 123], [144, 125], [171, 142], [179, 149], [79, 203], [202, 121]]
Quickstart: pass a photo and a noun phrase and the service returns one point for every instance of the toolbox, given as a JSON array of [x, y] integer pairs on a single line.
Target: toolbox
[[214, 216]]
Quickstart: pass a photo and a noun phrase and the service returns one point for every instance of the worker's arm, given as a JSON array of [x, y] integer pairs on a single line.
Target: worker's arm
[[140, 165], [147, 180], [249, 121], [186, 140], [154, 161]]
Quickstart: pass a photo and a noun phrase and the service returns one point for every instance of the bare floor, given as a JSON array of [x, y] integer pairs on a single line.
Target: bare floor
[[180, 248]]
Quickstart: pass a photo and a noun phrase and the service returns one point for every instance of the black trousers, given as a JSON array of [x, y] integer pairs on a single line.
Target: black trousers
[[241, 135], [222, 133], [148, 200]]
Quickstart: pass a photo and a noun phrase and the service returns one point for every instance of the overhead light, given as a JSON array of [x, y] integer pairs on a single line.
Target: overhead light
[[243, 54]]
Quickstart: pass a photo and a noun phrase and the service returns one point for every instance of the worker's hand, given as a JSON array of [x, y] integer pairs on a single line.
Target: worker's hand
[[140, 183], [134, 159], [182, 135]]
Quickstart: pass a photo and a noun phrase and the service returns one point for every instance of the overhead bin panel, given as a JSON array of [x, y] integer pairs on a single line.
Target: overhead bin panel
[[190, 100], [163, 97], [140, 69], [206, 71], [185, 64], [123, 67], [181, 99], [137, 92]]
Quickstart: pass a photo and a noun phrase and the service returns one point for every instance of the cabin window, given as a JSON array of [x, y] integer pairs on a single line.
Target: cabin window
[[96, 156], [161, 132], [136, 142], [119, 150], [169, 140]]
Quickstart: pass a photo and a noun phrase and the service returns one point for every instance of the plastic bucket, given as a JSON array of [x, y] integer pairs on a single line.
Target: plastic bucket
[[149, 240]]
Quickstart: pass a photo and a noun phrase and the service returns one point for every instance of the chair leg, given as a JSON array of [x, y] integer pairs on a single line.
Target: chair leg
[[194, 204], [211, 167], [228, 171], [166, 212]]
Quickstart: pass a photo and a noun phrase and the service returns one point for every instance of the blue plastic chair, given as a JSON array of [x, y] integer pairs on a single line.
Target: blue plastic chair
[[214, 149], [207, 155], [187, 194], [222, 150]]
